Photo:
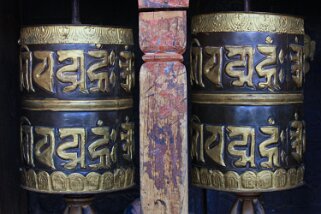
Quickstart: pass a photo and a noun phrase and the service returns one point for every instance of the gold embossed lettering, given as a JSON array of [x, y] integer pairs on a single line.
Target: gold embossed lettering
[[267, 68], [196, 57], [102, 76], [69, 73], [213, 67], [43, 72], [26, 141], [240, 65], [126, 63], [246, 138], [296, 56], [98, 149], [77, 136], [215, 152], [26, 70], [44, 148], [197, 150], [297, 138], [128, 136], [265, 149]]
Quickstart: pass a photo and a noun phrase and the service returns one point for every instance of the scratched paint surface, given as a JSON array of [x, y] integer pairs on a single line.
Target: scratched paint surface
[[163, 31], [162, 3], [163, 132]]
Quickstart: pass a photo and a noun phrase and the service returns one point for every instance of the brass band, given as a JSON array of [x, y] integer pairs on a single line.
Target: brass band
[[59, 182], [247, 22], [82, 34], [248, 99], [249, 181], [77, 105]]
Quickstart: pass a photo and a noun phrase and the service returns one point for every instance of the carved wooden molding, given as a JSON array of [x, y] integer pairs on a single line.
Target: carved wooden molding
[[163, 109]]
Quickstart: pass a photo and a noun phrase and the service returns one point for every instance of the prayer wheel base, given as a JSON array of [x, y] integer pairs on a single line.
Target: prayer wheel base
[[79, 204], [247, 203]]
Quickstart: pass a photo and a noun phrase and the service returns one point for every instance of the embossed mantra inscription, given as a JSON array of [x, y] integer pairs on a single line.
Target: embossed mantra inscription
[[76, 129]]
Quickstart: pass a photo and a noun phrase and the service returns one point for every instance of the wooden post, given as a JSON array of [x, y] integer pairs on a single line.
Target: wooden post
[[163, 109]]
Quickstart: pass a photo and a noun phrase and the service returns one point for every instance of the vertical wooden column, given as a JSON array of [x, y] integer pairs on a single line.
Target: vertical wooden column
[[163, 109]]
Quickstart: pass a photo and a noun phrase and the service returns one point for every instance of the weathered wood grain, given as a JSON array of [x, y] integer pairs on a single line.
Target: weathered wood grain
[[163, 133], [163, 113], [163, 31], [162, 3]]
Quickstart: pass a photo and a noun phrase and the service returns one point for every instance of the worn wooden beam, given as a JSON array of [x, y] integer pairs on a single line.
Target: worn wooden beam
[[163, 112], [163, 3]]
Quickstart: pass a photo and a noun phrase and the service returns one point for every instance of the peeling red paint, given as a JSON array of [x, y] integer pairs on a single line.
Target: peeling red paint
[[162, 3]]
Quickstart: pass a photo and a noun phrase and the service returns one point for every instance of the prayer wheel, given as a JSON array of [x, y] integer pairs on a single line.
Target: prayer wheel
[[77, 127], [247, 128]]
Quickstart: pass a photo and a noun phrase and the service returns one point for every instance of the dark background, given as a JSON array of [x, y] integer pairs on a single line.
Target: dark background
[[15, 13]]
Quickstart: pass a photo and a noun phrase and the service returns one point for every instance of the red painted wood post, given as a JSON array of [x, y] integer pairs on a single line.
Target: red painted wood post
[[163, 109]]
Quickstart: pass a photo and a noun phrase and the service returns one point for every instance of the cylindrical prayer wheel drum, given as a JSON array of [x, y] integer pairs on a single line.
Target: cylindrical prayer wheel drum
[[247, 130], [77, 118]]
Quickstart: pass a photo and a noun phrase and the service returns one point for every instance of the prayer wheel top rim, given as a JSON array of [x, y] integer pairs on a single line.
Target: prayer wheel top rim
[[75, 34], [247, 22]]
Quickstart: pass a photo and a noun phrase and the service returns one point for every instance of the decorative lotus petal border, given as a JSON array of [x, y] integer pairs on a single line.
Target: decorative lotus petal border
[[59, 182], [247, 22], [248, 181], [64, 34]]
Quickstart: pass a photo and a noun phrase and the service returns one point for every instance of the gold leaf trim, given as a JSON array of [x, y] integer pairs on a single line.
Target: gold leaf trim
[[59, 182], [263, 181], [77, 105], [72, 34], [247, 99], [247, 22]]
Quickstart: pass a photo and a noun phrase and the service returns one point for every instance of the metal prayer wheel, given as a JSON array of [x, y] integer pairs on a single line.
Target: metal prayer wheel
[[247, 129], [77, 125]]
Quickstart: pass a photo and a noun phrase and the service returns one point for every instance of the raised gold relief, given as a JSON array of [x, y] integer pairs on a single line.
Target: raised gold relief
[[296, 57], [240, 65], [67, 34], [78, 140], [248, 99], [38, 67], [197, 139], [99, 149], [247, 22], [69, 73], [43, 72], [26, 141], [77, 105], [265, 179], [240, 143], [58, 182], [246, 136], [126, 63], [297, 138], [103, 80], [44, 148], [213, 67], [269, 147], [128, 136], [265, 70], [196, 63], [215, 152], [47, 145], [237, 68], [248, 181], [25, 60]]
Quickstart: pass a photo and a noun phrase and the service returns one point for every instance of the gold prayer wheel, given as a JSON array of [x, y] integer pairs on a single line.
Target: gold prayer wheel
[[77, 130], [247, 130]]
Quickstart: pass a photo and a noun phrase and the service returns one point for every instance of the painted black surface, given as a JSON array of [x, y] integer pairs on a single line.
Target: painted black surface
[[306, 199]]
